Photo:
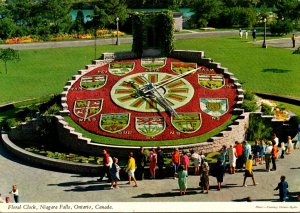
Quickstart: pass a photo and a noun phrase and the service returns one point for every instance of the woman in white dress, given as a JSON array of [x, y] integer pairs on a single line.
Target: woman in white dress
[[232, 158]]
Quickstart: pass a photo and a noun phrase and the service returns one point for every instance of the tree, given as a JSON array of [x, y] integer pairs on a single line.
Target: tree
[[205, 11], [8, 54], [103, 15], [57, 14], [78, 25], [286, 9]]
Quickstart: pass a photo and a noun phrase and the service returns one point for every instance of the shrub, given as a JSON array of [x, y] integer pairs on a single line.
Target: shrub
[[258, 127], [249, 95], [12, 122], [53, 110], [281, 27], [249, 106], [297, 51], [266, 109]]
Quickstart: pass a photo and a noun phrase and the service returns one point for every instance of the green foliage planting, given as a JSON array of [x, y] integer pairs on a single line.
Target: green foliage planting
[[146, 28], [266, 109], [249, 106], [258, 127], [249, 95]]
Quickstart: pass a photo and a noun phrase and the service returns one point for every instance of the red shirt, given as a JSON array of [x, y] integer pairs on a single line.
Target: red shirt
[[106, 159], [176, 158], [239, 149]]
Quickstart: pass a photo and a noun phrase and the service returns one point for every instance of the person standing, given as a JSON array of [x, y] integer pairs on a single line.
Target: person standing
[[239, 153], [141, 160], [276, 139], [254, 34], [289, 145], [246, 34], [204, 177], [249, 171], [283, 189], [153, 162], [294, 40], [185, 162], [160, 162], [182, 179], [197, 161], [107, 163], [219, 172], [282, 146], [256, 151], [268, 155], [262, 151], [131, 169], [223, 153], [175, 160], [232, 159], [274, 156], [115, 173], [15, 192], [246, 151], [241, 33], [1, 200]]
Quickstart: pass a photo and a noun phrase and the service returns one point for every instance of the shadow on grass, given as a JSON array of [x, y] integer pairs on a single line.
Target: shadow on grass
[[276, 70]]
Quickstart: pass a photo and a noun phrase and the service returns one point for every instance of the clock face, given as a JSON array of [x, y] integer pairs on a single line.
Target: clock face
[[151, 99]]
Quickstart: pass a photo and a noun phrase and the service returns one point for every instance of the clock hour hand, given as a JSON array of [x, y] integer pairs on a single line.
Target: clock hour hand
[[161, 99], [167, 81]]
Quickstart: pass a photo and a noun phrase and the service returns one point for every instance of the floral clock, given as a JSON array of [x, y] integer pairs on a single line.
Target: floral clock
[[151, 99]]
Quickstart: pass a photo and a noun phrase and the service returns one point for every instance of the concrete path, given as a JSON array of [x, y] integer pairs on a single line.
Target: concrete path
[[39, 185], [282, 43]]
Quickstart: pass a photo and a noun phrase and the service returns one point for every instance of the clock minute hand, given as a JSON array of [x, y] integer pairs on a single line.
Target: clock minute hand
[[162, 99], [163, 83]]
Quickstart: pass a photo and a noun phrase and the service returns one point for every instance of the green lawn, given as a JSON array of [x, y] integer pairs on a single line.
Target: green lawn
[[43, 72]]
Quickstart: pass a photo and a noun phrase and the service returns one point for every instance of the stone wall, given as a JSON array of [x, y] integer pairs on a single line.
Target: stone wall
[[46, 162]]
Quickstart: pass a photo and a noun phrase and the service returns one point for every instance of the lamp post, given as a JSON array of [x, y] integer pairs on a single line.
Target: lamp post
[[264, 45], [117, 42]]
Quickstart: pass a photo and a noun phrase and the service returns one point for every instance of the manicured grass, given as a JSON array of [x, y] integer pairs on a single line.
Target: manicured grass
[[43, 72]]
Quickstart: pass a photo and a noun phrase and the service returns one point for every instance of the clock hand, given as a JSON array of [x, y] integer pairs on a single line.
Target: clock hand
[[167, 81], [161, 98]]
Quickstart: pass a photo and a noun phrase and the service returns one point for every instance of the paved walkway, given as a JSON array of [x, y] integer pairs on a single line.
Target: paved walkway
[[39, 185]]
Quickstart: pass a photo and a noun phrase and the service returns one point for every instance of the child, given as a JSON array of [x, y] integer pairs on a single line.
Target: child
[[248, 171], [283, 189], [282, 146], [114, 172], [15, 192]]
